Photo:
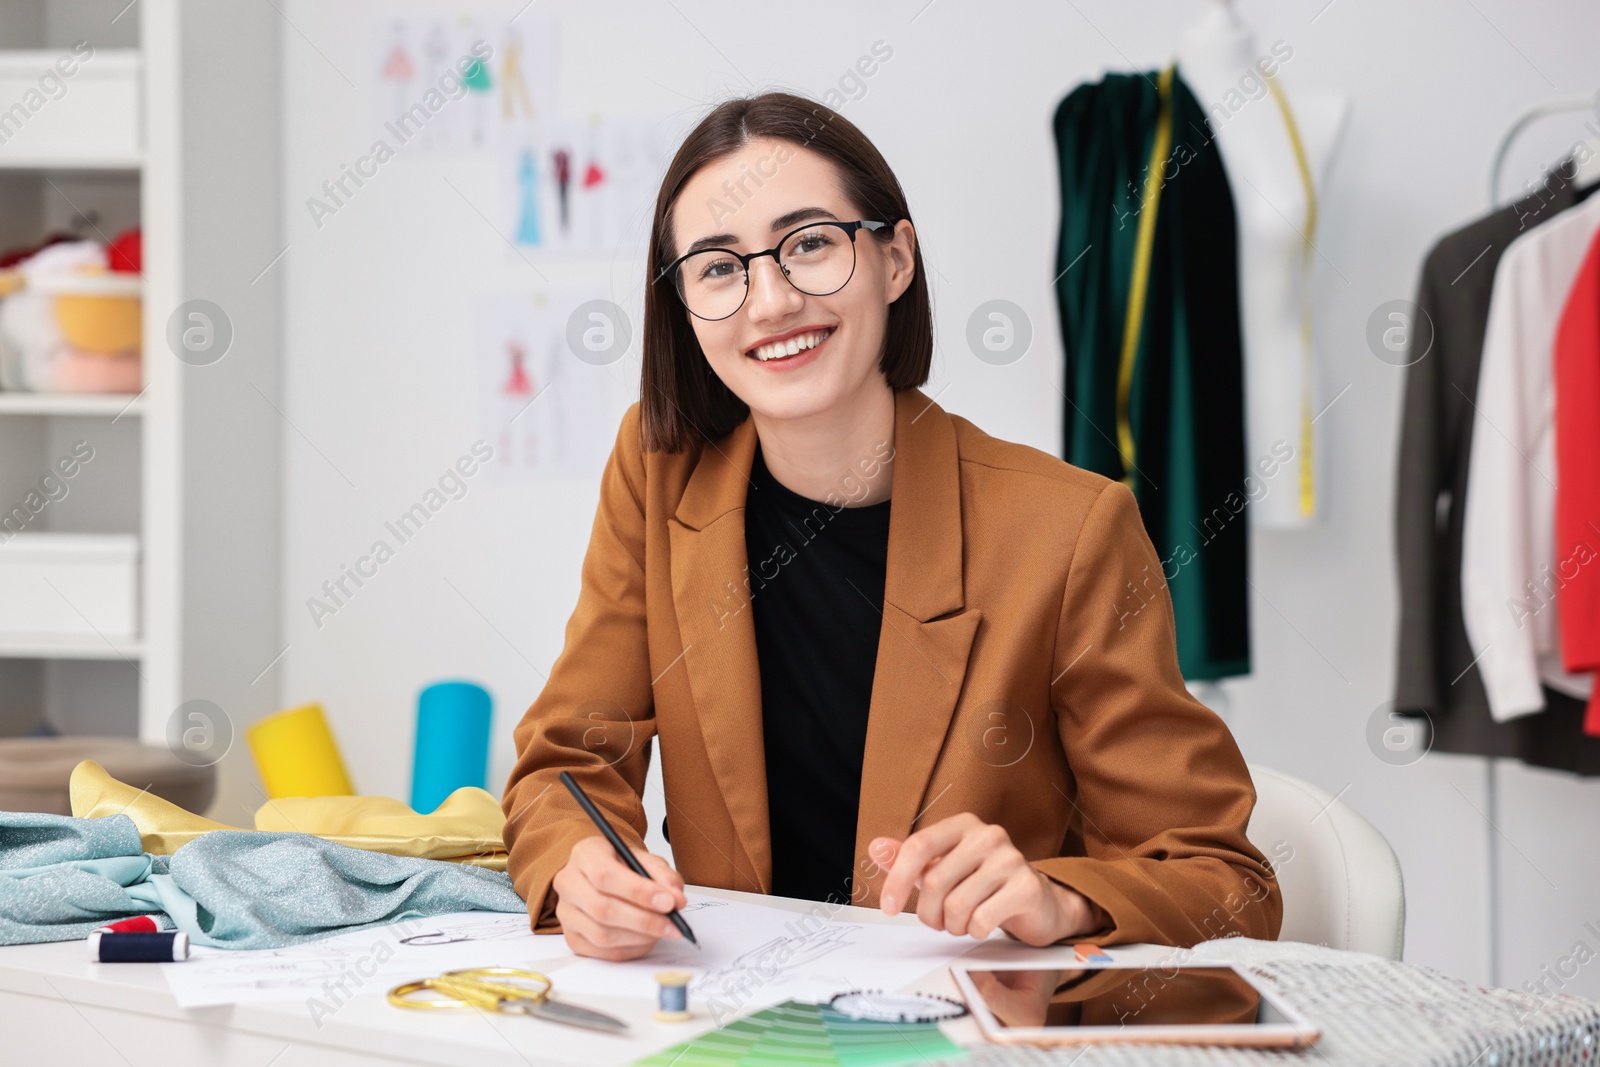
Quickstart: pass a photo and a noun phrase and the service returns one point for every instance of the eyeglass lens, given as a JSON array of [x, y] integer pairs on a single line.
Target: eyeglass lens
[[817, 260]]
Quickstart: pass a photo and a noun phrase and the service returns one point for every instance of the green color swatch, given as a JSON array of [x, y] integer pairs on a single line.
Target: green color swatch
[[799, 1035]]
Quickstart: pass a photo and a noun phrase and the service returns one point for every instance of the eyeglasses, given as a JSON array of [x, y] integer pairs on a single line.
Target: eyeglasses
[[818, 259]]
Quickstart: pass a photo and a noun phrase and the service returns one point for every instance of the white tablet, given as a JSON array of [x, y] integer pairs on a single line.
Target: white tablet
[[1084, 1003]]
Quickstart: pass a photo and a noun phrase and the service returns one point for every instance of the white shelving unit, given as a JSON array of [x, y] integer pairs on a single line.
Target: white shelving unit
[[55, 646], [86, 116], [74, 159], [155, 130], [70, 404]]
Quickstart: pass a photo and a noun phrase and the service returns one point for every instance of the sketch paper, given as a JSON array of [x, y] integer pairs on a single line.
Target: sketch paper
[[546, 412], [431, 96], [752, 956], [332, 971], [584, 185]]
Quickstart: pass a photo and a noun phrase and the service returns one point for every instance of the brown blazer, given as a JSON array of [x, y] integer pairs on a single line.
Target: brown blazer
[[1027, 673]]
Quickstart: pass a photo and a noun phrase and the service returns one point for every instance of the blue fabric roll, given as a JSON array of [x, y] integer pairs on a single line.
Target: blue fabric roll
[[228, 888], [452, 748]]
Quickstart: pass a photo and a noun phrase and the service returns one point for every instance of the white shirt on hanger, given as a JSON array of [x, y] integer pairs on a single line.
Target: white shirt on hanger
[[1508, 541]]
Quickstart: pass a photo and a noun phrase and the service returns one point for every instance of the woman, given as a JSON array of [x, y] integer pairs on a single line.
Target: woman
[[890, 660]]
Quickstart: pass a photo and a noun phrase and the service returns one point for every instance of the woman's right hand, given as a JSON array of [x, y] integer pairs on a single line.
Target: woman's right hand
[[606, 910]]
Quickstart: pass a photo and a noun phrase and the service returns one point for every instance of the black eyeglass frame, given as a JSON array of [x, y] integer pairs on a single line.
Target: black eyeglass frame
[[745, 259]]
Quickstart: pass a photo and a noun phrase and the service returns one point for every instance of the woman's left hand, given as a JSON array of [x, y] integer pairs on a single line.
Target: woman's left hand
[[970, 879]]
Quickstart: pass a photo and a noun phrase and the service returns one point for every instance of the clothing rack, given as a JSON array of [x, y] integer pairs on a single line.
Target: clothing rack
[[1491, 785], [1528, 118]]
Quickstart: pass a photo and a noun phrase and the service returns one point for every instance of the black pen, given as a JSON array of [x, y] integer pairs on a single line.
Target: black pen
[[622, 849]]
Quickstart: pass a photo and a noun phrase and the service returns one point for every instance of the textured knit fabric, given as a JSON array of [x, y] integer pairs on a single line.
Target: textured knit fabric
[[1186, 405], [264, 890], [1435, 669], [36, 840], [818, 609], [66, 902], [230, 888], [1370, 1011]]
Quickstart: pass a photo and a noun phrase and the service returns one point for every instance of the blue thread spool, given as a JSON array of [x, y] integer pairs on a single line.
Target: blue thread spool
[[166, 946], [452, 742], [672, 999]]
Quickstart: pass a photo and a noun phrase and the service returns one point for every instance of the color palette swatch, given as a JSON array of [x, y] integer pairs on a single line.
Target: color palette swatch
[[793, 1034]]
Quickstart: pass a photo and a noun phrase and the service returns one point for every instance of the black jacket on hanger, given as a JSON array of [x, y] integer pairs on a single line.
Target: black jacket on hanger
[[1436, 671]]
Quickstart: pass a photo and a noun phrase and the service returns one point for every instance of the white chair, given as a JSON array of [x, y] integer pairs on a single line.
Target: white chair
[[1340, 879]]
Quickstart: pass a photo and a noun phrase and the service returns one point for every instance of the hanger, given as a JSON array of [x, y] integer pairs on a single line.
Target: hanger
[[1588, 172]]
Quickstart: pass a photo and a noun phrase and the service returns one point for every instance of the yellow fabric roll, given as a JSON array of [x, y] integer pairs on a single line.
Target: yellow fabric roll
[[467, 828], [297, 755]]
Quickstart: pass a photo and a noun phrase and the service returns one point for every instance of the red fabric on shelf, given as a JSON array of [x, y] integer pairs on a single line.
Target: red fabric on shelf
[[126, 253]]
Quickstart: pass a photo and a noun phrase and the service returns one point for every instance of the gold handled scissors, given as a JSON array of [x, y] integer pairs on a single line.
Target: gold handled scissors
[[520, 992]]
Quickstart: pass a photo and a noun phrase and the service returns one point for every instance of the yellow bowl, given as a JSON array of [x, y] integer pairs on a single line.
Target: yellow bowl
[[106, 324]]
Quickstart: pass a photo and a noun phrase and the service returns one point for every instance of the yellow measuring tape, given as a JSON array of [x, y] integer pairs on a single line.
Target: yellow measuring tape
[[1133, 320], [1308, 496]]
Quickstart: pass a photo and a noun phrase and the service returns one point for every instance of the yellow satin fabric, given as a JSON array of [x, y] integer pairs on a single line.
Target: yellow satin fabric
[[467, 828]]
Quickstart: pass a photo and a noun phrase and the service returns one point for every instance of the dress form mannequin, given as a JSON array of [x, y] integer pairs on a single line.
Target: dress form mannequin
[[1218, 58]]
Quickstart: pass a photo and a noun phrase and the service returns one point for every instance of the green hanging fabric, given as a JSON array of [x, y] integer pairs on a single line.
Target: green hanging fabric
[[1136, 155]]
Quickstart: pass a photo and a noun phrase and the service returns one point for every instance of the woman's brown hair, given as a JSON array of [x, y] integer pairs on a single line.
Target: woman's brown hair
[[682, 403]]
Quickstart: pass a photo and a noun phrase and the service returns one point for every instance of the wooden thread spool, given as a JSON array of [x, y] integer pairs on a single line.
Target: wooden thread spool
[[672, 1002]]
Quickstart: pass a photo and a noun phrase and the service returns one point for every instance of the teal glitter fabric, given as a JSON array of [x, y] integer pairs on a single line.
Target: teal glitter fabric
[[228, 889], [263, 890], [30, 839]]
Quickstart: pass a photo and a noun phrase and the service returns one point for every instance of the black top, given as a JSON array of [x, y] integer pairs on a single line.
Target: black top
[[816, 581]]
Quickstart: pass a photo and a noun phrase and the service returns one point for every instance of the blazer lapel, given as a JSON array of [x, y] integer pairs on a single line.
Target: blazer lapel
[[711, 599], [927, 631]]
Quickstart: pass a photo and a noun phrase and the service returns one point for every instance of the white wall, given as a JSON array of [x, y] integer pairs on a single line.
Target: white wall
[[232, 435], [379, 381]]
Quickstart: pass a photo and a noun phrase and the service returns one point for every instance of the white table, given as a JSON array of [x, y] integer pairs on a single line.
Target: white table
[[56, 1007]]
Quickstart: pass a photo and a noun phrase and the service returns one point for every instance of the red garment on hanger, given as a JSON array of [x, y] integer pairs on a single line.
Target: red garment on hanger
[[1577, 429]]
